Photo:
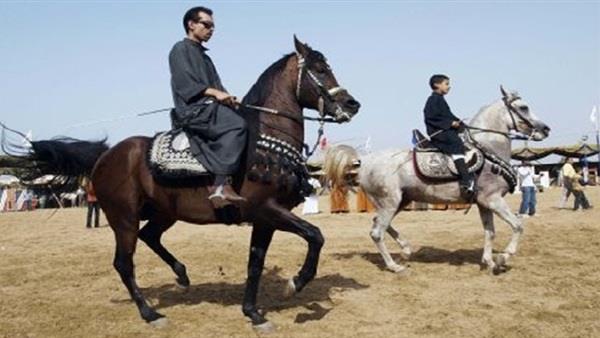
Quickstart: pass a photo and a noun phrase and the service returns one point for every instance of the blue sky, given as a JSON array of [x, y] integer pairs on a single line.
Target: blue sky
[[67, 63]]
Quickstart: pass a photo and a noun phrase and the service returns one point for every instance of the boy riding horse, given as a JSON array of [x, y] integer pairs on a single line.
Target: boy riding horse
[[443, 127]]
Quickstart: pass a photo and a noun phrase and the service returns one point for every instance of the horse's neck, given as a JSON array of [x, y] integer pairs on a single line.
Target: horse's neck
[[492, 117], [282, 97]]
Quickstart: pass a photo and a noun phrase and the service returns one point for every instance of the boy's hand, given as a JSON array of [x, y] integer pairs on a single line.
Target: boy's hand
[[456, 124]]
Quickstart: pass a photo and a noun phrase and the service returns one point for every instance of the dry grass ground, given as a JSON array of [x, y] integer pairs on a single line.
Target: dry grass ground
[[57, 280]]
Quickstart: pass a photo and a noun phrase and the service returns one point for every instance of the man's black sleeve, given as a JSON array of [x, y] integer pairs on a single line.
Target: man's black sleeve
[[187, 81]]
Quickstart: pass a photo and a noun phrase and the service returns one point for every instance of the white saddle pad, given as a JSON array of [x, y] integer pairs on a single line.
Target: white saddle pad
[[170, 156]]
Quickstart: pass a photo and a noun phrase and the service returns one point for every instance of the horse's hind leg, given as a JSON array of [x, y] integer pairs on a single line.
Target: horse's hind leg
[[381, 224], [403, 242], [126, 234], [151, 234]]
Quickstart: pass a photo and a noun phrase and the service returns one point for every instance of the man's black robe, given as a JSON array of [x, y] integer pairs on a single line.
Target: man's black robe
[[438, 119], [217, 133]]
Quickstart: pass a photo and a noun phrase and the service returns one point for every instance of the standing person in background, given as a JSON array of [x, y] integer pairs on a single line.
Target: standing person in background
[[93, 207], [580, 198], [568, 174], [573, 185], [311, 203], [27, 200], [528, 189], [565, 192]]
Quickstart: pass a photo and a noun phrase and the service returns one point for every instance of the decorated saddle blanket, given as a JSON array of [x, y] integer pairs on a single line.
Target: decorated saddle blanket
[[170, 156], [430, 162], [273, 162]]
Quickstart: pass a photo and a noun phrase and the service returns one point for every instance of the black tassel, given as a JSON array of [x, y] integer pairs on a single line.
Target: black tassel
[[292, 182], [253, 175], [285, 164], [282, 182], [267, 178], [259, 159]]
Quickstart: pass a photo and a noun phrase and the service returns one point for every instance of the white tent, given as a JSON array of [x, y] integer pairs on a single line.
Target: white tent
[[8, 180]]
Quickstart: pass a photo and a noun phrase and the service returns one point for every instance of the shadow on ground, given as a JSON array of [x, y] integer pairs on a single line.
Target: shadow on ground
[[270, 297], [425, 254]]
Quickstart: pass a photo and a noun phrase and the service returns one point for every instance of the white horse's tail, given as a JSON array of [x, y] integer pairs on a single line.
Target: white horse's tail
[[340, 161]]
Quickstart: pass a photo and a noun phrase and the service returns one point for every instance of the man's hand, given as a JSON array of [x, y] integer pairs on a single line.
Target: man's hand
[[456, 124], [222, 97]]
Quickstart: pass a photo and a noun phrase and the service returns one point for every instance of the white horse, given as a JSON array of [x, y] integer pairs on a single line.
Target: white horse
[[391, 181]]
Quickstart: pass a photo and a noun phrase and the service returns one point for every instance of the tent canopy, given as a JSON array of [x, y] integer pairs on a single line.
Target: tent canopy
[[578, 150], [6, 180]]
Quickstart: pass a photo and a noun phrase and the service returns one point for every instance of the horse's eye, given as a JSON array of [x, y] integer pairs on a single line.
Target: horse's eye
[[320, 68], [525, 108]]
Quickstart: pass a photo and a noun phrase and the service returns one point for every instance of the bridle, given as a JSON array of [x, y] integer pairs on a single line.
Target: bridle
[[511, 112], [324, 92]]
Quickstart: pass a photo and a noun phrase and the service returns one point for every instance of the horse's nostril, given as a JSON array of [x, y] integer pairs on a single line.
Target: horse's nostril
[[353, 104]]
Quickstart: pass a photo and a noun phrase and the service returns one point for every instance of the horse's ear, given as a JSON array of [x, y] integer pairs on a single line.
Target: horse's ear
[[301, 48], [503, 91]]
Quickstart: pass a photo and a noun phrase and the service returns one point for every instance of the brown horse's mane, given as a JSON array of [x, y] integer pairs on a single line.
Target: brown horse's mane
[[257, 95]]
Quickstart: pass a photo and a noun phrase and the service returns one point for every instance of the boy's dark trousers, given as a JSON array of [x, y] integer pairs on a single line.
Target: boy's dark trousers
[[93, 207]]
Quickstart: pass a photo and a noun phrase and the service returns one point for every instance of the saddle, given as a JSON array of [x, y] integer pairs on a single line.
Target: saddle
[[170, 157], [430, 162]]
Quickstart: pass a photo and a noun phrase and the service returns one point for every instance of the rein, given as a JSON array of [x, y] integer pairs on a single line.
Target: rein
[[510, 136], [504, 167], [511, 112], [324, 94]]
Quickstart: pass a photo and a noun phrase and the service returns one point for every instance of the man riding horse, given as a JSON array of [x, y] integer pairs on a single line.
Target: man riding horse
[[204, 109], [443, 127]]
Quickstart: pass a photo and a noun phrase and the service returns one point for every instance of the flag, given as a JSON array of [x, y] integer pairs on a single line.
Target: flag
[[368, 144], [323, 142]]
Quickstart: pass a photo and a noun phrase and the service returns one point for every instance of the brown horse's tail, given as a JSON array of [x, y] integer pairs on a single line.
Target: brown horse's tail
[[67, 159], [340, 161]]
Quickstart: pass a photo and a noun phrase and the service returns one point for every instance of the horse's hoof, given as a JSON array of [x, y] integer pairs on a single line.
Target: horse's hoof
[[160, 322], [290, 289], [182, 287], [264, 328], [406, 253], [500, 260], [498, 270], [398, 269]]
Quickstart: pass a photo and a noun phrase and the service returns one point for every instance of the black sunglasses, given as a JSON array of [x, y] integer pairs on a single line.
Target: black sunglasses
[[207, 24]]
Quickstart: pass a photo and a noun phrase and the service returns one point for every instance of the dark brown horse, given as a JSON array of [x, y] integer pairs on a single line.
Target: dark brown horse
[[273, 179]]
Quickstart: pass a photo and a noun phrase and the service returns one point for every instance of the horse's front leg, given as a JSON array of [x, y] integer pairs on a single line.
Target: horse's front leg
[[487, 219], [501, 208], [284, 220], [259, 244]]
